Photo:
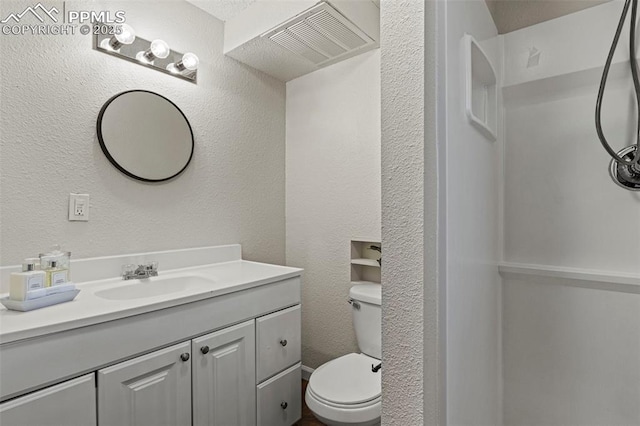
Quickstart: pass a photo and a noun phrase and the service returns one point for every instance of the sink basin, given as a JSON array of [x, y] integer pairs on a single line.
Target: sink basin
[[154, 286]]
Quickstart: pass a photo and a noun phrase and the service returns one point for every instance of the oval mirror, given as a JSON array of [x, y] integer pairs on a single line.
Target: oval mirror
[[145, 135]]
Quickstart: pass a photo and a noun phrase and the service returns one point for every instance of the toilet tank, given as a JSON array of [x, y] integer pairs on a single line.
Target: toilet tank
[[367, 317]]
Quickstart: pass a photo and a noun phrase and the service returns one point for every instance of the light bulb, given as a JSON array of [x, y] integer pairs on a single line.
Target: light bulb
[[190, 61], [127, 34], [160, 49]]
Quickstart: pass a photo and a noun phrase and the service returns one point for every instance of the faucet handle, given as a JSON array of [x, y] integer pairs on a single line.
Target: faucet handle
[[128, 269], [151, 269]]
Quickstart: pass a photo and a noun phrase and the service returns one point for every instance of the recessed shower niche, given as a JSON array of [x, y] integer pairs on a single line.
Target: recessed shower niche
[[481, 88]]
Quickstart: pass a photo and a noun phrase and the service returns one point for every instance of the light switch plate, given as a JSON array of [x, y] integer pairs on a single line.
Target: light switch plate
[[79, 207]]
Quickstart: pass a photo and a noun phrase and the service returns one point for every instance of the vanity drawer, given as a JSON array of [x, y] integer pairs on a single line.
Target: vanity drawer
[[278, 342], [72, 403], [280, 398]]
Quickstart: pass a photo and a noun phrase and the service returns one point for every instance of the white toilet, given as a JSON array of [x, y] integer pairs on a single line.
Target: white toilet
[[345, 391]]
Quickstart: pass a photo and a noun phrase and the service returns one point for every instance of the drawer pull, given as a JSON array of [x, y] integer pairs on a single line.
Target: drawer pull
[[283, 342], [204, 350], [284, 405], [185, 357]]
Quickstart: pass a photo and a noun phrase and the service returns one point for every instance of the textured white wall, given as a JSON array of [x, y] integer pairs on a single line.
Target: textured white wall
[[570, 353], [52, 90], [474, 166], [402, 211], [411, 375], [333, 192]]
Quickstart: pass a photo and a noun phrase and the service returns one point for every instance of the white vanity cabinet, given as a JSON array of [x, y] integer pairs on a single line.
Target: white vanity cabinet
[[71, 403], [224, 372], [154, 389], [228, 360]]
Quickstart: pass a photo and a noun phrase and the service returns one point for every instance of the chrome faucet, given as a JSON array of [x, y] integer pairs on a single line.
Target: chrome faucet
[[130, 272]]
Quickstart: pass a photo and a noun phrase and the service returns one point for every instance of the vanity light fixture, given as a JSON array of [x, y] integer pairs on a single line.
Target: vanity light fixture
[[186, 65], [126, 36], [122, 42], [157, 49]]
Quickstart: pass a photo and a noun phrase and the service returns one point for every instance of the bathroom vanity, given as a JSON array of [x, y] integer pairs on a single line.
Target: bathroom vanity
[[201, 344]]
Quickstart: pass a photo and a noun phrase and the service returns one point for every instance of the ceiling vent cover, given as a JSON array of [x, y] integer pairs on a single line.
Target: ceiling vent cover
[[321, 34]]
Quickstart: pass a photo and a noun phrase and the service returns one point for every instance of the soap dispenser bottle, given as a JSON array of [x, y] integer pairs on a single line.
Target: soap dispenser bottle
[[55, 273], [30, 279], [56, 265]]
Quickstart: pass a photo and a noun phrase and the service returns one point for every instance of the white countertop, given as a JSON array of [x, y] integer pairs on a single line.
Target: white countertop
[[89, 309]]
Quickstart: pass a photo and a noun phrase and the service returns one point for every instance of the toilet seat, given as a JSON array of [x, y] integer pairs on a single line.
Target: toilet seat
[[344, 406], [345, 391], [347, 380]]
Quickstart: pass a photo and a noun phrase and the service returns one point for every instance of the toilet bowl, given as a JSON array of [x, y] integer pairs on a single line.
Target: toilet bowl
[[346, 391]]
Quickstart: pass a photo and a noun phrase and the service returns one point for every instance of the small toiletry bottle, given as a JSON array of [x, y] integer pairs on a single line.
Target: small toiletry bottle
[[29, 279], [62, 263], [55, 273]]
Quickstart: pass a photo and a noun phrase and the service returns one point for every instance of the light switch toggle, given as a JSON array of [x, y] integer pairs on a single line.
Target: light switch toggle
[[79, 207]]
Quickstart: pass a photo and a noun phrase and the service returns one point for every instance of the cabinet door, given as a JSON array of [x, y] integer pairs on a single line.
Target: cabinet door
[[151, 390], [71, 403], [224, 375]]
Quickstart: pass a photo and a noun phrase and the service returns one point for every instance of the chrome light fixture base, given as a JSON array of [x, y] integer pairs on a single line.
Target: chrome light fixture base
[[128, 52]]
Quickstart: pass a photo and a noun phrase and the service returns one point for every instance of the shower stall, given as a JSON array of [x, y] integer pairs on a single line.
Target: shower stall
[[542, 230]]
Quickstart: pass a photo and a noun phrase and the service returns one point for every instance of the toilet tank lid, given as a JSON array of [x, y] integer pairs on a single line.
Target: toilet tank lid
[[368, 293]]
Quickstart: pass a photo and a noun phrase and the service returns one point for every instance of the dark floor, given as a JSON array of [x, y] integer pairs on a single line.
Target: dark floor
[[307, 416]]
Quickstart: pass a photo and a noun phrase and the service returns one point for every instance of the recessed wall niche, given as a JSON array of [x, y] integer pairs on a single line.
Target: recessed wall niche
[[481, 89], [366, 261]]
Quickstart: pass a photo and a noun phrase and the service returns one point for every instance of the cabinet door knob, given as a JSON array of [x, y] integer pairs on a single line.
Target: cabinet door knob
[[204, 350], [185, 357], [283, 342], [284, 405]]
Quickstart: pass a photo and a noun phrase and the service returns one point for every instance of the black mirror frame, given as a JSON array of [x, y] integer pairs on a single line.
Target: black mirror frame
[[114, 162]]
